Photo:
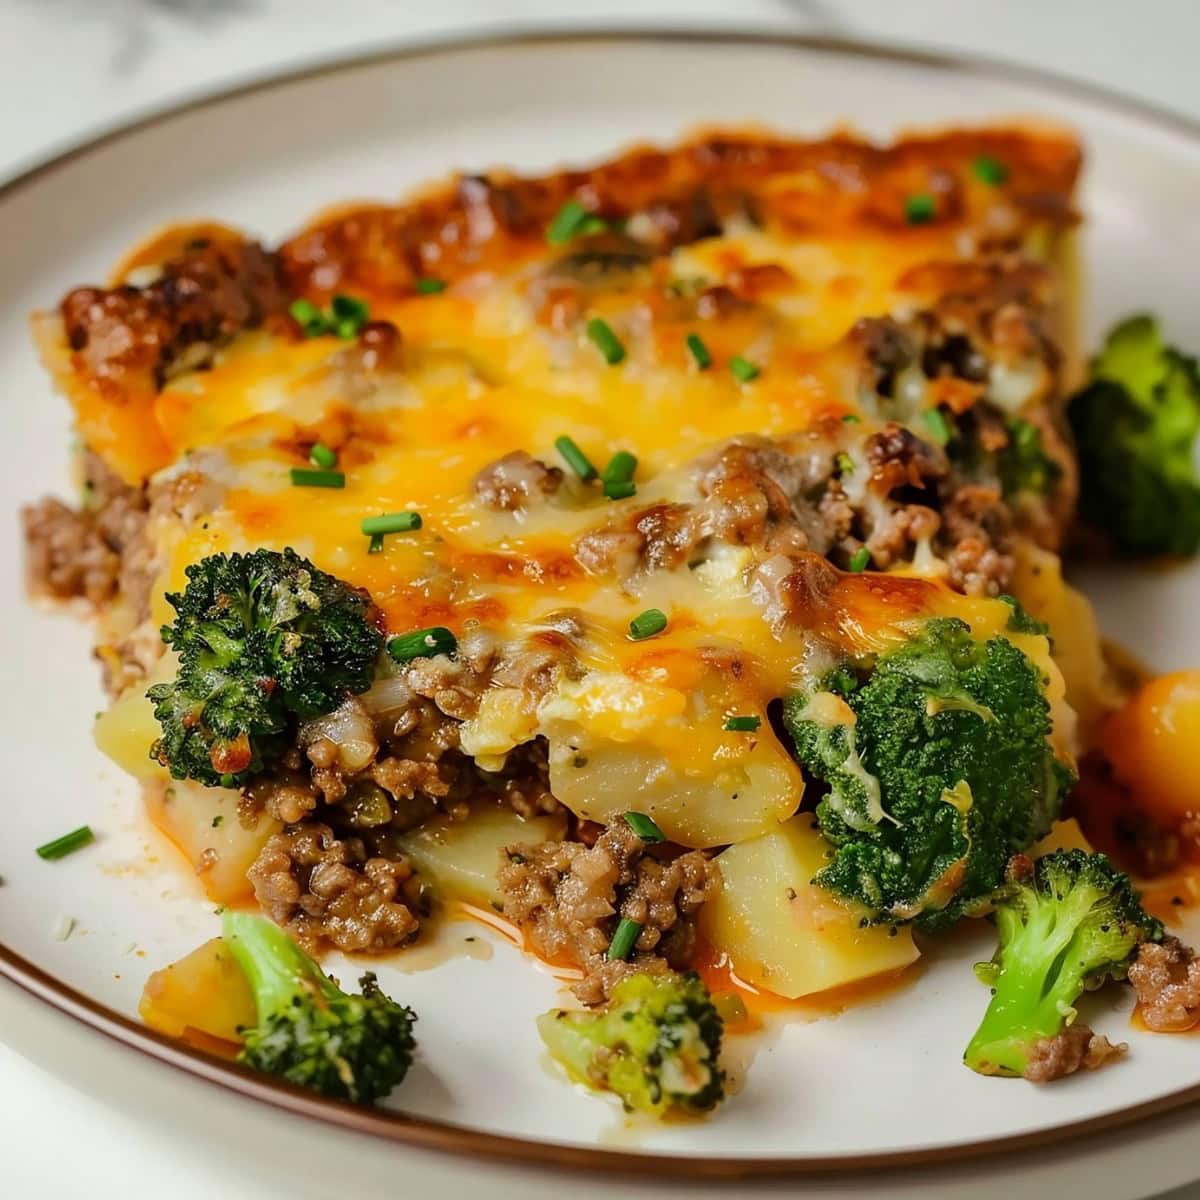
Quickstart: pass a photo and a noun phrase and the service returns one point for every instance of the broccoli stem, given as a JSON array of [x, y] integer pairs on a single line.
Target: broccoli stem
[[276, 968], [1027, 1004], [1070, 925], [1035, 988]]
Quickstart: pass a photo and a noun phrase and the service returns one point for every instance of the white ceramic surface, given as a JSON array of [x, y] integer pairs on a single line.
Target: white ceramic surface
[[266, 160]]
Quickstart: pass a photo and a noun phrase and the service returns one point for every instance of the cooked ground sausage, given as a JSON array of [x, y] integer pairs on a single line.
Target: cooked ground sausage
[[67, 556], [128, 336], [1065, 1053], [569, 895], [326, 890], [82, 552], [515, 482], [1166, 978]]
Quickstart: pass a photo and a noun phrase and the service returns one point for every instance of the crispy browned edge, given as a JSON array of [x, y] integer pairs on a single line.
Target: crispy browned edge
[[443, 1136], [115, 345]]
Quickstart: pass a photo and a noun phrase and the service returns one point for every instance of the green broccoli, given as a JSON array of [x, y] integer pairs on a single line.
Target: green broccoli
[[1073, 924], [1135, 427], [1021, 620], [261, 638], [939, 769], [656, 1044], [309, 1031], [1023, 465]]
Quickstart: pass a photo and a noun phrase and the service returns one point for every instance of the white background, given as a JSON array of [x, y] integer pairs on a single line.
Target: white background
[[121, 1124]]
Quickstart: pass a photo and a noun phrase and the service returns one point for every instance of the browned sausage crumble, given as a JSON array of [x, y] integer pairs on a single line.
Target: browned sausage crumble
[[1067, 1052], [1166, 978], [569, 896]]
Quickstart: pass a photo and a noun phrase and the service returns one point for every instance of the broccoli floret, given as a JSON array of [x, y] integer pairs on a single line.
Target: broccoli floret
[[1021, 620], [1074, 924], [1023, 465], [308, 1030], [656, 1044], [938, 767], [261, 638], [1135, 427]]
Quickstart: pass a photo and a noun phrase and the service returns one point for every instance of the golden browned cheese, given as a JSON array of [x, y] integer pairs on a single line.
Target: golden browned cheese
[[815, 350]]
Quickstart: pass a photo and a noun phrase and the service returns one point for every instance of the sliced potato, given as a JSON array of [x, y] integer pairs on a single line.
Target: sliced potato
[[460, 858], [1039, 584], [128, 729], [719, 802], [200, 819], [783, 933], [205, 991]]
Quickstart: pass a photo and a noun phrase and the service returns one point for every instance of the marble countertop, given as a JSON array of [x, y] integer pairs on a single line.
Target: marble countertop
[[72, 68]]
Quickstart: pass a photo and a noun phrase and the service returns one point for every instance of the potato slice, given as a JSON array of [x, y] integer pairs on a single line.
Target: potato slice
[[127, 730], [201, 819], [660, 747], [460, 858], [783, 933], [1091, 689], [204, 991]]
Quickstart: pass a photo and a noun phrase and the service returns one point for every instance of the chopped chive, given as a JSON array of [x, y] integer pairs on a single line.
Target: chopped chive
[[375, 546], [621, 946], [743, 369], [348, 316], [645, 828], [397, 522], [602, 337], [919, 208], [851, 419], [572, 221], [304, 477], [989, 170], [620, 490], [699, 352], [844, 463], [575, 458], [618, 475], [67, 844], [938, 426], [309, 317], [860, 560], [742, 724], [429, 286], [621, 468], [321, 456], [647, 624], [422, 643]]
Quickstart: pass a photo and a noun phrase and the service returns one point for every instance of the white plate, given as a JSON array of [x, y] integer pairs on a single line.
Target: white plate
[[265, 158]]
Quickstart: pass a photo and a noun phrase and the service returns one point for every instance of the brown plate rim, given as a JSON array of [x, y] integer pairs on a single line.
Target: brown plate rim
[[446, 1136]]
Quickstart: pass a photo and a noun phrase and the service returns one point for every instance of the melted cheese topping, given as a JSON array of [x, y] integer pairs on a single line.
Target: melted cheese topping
[[501, 361]]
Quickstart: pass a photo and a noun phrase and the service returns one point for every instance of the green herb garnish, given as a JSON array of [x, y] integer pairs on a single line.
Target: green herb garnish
[[743, 369], [68, 843], [422, 643], [309, 477], [397, 522], [645, 828], [575, 458], [699, 352], [621, 946], [647, 624], [602, 337]]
